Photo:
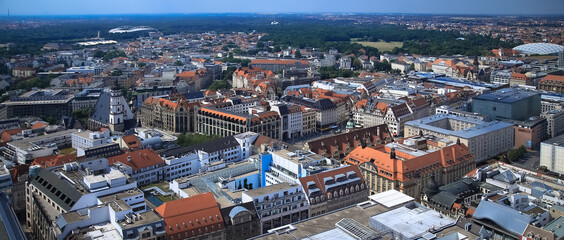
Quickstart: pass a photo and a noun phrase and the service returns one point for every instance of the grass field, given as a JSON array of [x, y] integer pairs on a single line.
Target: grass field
[[68, 151], [380, 45]]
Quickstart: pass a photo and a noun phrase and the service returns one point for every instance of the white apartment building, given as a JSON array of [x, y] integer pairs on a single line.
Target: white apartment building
[[289, 166], [86, 139], [278, 205], [552, 154]]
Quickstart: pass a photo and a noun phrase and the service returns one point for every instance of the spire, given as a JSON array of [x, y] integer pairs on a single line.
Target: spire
[[116, 85]]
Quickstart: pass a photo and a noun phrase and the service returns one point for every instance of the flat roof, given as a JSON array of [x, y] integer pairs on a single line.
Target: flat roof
[[269, 189], [326, 222], [506, 95], [391, 198], [557, 141], [413, 221], [481, 127]]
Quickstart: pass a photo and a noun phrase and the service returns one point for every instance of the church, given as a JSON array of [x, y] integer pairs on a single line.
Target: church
[[112, 112]]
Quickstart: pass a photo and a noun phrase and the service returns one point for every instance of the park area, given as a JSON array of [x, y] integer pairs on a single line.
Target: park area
[[382, 46]]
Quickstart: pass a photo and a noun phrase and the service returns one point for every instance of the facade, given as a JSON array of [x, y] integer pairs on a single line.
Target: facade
[[327, 113], [408, 164], [112, 111], [278, 65], [20, 175], [530, 133], [484, 139], [140, 94], [402, 67], [278, 205], [502, 77], [25, 150], [48, 103], [519, 79], [334, 189], [508, 104], [550, 82], [555, 122], [552, 153], [196, 217], [308, 121], [145, 166], [167, 115], [282, 165], [241, 221], [23, 72], [82, 140], [64, 201], [393, 113], [291, 119], [214, 121]]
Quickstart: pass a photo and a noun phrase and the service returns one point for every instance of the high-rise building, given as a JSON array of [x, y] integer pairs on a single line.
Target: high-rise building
[[508, 104]]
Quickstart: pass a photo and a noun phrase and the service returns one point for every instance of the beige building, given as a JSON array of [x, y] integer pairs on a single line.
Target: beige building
[[484, 139], [555, 122], [408, 164], [167, 115], [308, 121]]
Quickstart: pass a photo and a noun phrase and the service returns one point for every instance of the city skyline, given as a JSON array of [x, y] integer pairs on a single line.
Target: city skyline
[[479, 7]]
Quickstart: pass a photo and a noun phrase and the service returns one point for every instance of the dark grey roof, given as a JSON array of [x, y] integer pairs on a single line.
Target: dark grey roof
[[194, 95], [322, 104], [210, 146], [102, 110], [505, 217], [283, 109], [236, 100], [56, 189], [506, 95]]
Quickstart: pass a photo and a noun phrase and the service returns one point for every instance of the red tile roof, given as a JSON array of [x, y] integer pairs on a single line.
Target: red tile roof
[[195, 216], [39, 125], [7, 134], [131, 141], [138, 159], [53, 160]]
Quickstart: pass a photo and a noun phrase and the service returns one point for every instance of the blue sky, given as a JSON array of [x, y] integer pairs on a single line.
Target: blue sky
[[95, 7]]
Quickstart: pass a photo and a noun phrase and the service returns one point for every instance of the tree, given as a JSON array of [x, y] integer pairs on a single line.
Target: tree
[[250, 186], [245, 184], [178, 63], [141, 64], [298, 54], [357, 64], [221, 84]]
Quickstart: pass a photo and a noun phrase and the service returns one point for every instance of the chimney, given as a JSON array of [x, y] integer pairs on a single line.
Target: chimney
[[393, 153]]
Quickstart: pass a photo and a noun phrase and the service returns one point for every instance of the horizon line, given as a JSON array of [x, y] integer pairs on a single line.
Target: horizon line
[[279, 13]]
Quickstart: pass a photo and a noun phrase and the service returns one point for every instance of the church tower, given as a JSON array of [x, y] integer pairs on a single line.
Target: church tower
[[116, 123]]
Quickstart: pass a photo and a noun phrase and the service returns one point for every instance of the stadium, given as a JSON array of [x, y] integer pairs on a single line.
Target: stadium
[[128, 29], [539, 48]]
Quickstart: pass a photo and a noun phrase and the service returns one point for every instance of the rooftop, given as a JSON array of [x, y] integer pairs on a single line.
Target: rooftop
[[556, 141], [391, 198], [269, 189], [413, 220], [481, 127], [506, 95]]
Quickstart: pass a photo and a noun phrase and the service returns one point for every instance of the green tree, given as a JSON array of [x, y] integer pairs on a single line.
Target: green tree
[[178, 63], [357, 64], [220, 84], [298, 54]]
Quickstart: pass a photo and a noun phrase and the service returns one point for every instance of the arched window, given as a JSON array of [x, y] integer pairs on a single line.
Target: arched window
[[329, 195], [352, 189], [362, 186], [357, 188], [335, 194]]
